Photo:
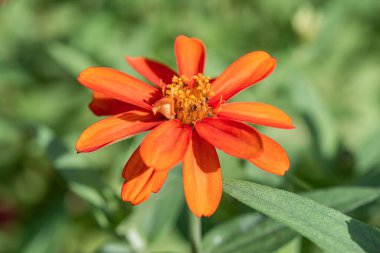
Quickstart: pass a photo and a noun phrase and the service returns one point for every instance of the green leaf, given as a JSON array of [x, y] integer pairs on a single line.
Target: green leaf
[[51, 223], [293, 246], [72, 59], [85, 182], [346, 198], [255, 231], [115, 247], [247, 233], [368, 157], [178, 243], [315, 111], [326, 227]]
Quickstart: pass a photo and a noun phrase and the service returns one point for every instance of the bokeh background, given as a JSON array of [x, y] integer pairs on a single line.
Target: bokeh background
[[53, 200]]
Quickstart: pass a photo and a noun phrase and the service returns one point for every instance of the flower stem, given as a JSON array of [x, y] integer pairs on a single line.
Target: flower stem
[[195, 231]]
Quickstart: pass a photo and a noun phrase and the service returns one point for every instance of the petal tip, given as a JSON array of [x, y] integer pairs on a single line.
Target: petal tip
[[181, 36], [79, 149], [274, 160], [203, 213], [133, 202], [197, 214], [85, 73], [130, 59]]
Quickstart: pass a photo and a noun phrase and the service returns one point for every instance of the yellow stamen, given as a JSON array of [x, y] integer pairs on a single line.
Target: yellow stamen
[[190, 97]]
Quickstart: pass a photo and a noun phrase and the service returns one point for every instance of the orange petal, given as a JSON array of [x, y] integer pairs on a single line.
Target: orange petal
[[155, 72], [202, 177], [159, 180], [136, 198], [273, 159], [233, 137], [246, 71], [137, 186], [115, 128], [166, 145], [256, 113], [190, 54], [102, 105], [120, 86], [140, 180]]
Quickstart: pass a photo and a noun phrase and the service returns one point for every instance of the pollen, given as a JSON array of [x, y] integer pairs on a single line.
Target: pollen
[[189, 97]]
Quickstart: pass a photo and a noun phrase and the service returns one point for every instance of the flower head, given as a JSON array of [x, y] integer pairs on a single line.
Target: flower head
[[189, 117]]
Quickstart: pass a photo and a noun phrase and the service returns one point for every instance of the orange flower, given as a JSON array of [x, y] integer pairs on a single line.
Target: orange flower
[[189, 118]]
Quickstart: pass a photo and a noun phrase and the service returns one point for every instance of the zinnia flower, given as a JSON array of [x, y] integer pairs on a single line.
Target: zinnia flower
[[189, 117]]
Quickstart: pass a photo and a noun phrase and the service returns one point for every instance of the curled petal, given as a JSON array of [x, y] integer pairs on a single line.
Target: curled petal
[[138, 189], [233, 137], [102, 105], [246, 71], [190, 54], [118, 85], [256, 113], [273, 159], [155, 72], [202, 177], [165, 106], [140, 180], [129, 194], [115, 128], [165, 146]]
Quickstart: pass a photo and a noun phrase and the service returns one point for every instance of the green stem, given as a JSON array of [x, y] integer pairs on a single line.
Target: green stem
[[195, 231]]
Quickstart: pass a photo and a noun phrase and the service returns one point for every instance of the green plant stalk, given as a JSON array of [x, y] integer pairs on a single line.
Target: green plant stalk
[[195, 232]]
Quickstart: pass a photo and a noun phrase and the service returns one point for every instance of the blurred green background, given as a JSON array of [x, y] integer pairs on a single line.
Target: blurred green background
[[53, 200]]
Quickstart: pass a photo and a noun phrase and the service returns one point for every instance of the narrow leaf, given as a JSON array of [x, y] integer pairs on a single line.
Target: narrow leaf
[[247, 233], [258, 233], [326, 227], [346, 198]]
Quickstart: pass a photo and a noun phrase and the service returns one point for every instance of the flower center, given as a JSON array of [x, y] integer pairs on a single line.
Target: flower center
[[188, 98]]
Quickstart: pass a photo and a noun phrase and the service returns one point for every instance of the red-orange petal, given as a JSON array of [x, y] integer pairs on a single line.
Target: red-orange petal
[[159, 180], [190, 55], [140, 180], [202, 177], [120, 86], [273, 159], [165, 145], [137, 186], [244, 72], [102, 105], [256, 113], [115, 128], [233, 137], [155, 72]]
